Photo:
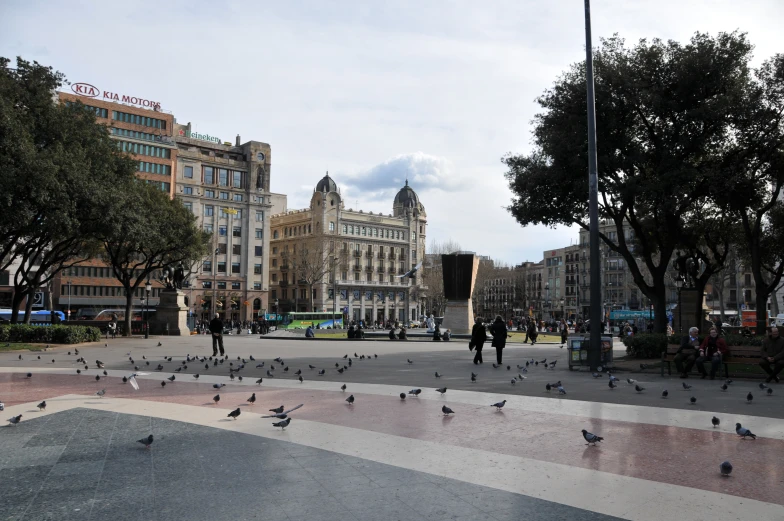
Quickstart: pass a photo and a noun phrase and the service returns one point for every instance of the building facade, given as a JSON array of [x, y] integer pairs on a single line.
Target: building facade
[[329, 258]]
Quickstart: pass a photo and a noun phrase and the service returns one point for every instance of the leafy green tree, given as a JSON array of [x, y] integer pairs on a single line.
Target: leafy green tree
[[666, 115], [58, 168], [144, 233]]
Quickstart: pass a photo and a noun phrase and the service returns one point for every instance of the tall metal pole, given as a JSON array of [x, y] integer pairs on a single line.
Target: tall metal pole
[[595, 345], [69, 300]]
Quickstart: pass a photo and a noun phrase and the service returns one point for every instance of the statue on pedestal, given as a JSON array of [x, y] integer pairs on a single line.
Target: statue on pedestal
[[431, 324]]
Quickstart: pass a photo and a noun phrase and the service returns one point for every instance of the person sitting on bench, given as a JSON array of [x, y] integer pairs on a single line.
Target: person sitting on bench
[[350, 332], [773, 355], [437, 334], [359, 333], [712, 349], [687, 352], [392, 334], [402, 334]]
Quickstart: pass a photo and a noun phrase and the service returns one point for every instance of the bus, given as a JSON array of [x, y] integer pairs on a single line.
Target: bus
[[105, 315], [43, 317], [317, 320]]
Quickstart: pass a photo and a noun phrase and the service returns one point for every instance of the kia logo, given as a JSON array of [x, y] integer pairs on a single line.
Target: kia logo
[[85, 89]]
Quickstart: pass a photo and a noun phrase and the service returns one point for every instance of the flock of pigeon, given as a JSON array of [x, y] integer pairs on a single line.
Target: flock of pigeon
[[283, 415]]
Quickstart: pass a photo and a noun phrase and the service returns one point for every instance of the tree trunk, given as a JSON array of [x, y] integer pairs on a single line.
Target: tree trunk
[[762, 311], [16, 303], [697, 313], [29, 305], [721, 306], [128, 310]]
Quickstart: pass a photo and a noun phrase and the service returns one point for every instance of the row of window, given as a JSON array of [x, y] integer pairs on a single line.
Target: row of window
[[99, 112], [154, 168], [165, 187], [206, 267], [188, 190], [223, 176], [102, 291], [144, 150], [209, 211], [124, 132], [222, 285], [365, 231], [138, 120]]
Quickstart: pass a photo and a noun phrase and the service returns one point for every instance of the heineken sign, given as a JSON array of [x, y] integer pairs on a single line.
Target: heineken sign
[[202, 137]]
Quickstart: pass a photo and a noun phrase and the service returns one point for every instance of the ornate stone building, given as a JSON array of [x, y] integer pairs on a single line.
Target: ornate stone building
[[329, 258]]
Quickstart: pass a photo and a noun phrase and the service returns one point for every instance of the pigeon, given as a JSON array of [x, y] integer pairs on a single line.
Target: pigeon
[[310, 366], [343, 387], [611, 384], [561, 390], [409, 361], [196, 376], [341, 370], [259, 381], [179, 369], [665, 393], [218, 386], [612, 378], [769, 391], [100, 393], [520, 377], [20, 356], [498, 406], [159, 344], [496, 366], [552, 364], [631, 381], [762, 386], [163, 384], [78, 371], [415, 392], [438, 375], [686, 386], [15, 420], [749, 397], [639, 389], [269, 375], [146, 441], [350, 400], [300, 379], [99, 364], [725, 468], [280, 413], [441, 390], [473, 377], [446, 410], [715, 421], [375, 356], [724, 387], [543, 361], [231, 377], [345, 356], [42, 406], [216, 399], [144, 357], [105, 373], [277, 410], [97, 378], [728, 382], [251, 358], [282, 424], [548, 387], [171, 378], [322, 372], [252, 399], [286, 369], [514, 381], [744, 432], [591, 438], [259, 365], [349, 362], [402, 396], [233, 414], [693, 400], [596, 375], [299, 372]]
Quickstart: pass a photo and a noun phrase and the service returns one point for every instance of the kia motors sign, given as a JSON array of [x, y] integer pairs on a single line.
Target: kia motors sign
[[91, 91]]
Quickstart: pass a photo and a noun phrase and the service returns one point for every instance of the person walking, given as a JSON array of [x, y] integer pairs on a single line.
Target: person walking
[[564, 332], [216, 328], [532, 332], [478, 339], [498, 330]]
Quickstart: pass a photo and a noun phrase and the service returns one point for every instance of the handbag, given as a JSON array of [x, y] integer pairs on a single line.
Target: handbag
[[471, 345]]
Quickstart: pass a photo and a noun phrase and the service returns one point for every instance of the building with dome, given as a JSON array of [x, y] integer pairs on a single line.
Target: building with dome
[[330, 258]]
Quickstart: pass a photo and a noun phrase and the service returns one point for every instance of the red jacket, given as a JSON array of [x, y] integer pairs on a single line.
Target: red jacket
[[721, 346]]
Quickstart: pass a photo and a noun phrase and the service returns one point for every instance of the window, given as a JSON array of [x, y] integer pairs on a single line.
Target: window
[[257, 269], [224, 196], [206, 266], [207, 284], [222, 230], [345, 275], [274, 277], [235, 267], [259, 233], [375, 232], [237, 181], [257, 251], [188, 172], [345, 228], [209, 193], [189, 206], [221, 285], [274, 263], [99, 112], [257, 285], [364, 230], [140, 149], [236, 285], [209, 176], [138, 120], [331, 226], [154, 168], [222, 267], [223, 177], [208, 210], [274, 294], [259, 216], [237, 197], [239, 213], [208, 228], [236, 231], [275, 234], [236, 249], [222, 248]]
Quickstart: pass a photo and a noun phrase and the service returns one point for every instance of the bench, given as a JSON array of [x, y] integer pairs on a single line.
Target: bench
[[738, 355]]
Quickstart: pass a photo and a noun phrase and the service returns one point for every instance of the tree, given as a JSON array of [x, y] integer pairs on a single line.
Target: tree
[[58, 169], [666, 115], [311, 259], [145, 233]]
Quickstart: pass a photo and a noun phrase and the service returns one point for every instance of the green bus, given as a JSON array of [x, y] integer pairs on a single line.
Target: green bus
[[317, 320]]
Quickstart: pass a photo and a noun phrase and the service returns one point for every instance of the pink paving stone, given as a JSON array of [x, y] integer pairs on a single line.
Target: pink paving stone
[[673, 455]]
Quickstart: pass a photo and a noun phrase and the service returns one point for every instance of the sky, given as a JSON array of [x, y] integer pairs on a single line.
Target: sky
[[373, 92]]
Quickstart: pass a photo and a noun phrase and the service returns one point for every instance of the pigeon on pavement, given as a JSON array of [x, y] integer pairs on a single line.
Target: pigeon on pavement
[[280, 413], [350, 400], [446, 410], [723, 387], [402, 396], [769, 391], [665, 393], [631, 381], [591, 438], [715, 421], [42, 406], [343, 387], [252, 399], [101, 393], [744, 432], [749, 397], [259, 381], [610, 384], [725, 468], [762, 386], [441, 390], [322, 372], [409, 361], [233, 414], [282, 424], [218, 386], [216, 399], [415, 392], [548, 387], [15, 420], [693, 400], [499, 405], [561, 390], [686, 386], [146, 441], [473, 377], [438, 375], [639, 389], [171, 378]]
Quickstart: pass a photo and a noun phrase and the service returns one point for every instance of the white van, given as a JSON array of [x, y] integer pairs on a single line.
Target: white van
[[779, 320]]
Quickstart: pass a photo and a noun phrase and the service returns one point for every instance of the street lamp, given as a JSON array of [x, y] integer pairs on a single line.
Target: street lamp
[[679, 285], [69, 300], [147, 289], [562, 310], [547, 292], [214, 283]]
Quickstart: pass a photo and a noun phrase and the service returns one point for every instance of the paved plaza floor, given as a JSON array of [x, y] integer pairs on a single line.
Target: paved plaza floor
[[380, 458]]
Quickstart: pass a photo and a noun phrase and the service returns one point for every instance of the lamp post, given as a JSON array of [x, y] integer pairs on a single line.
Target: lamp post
[[214, 283], [562, 310], [679, 285], [147, 289], [547, 292], [69, 300]]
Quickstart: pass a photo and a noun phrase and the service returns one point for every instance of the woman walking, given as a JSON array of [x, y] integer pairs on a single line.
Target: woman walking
[[478, 339], [498, 330]]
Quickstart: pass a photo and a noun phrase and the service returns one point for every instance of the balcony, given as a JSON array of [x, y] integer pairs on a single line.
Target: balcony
[[380, 256], [283, 284], [381, 269], [284, 267], [391, 269], [357, 253], [357, 267], [391, 256], [369, 254], [369, 268]]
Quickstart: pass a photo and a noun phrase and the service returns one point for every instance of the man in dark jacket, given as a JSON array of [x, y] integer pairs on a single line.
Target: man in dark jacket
[[498, 330], [773, 355], [478, 339], [216, 328], [532, 332], [687, 352]]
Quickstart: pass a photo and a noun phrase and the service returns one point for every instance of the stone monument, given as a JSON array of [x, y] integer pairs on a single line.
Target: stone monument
[[171, 315], [459, 271]]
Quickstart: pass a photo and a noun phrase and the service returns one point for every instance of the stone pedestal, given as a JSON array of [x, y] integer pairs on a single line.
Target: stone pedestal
[[172, 313], [689, 300], [459, 271]]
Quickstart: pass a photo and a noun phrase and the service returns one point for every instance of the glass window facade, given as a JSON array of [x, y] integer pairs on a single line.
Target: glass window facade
[[209, 210], [154, 168], [140, 149], [259, 233], [237, 181], [188, 172], [187, 190], [257, 251], [209, 176], [235, 267], [138, 120], [223, 177]]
